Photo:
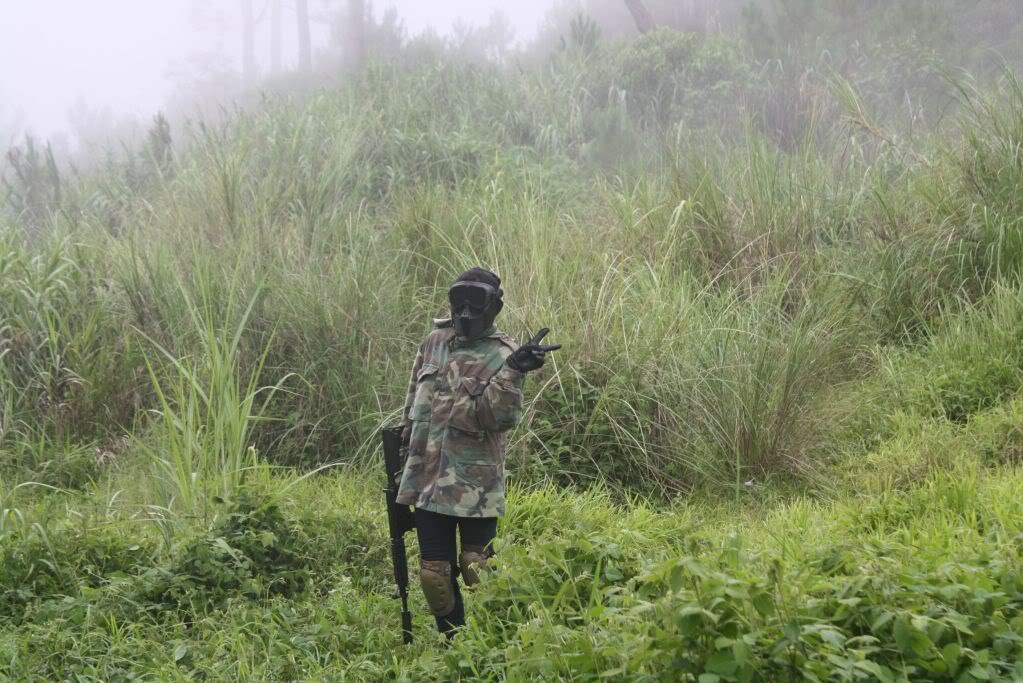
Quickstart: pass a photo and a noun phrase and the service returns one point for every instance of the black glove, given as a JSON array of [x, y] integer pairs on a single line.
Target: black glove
[[530, 356]]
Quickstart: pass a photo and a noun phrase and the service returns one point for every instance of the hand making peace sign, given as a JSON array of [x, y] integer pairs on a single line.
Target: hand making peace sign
[[531, 355]]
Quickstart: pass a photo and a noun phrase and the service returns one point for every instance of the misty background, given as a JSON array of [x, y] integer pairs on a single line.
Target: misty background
[[70, 70], [87, 79]]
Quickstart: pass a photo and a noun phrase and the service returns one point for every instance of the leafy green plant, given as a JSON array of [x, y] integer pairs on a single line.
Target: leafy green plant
[[253, 549], [41, 562]]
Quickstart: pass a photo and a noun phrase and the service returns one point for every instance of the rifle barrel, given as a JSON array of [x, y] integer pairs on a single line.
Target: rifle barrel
[[399, 521]]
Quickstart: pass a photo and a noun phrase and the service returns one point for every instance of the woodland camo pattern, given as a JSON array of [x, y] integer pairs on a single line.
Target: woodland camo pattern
[[462, 398]]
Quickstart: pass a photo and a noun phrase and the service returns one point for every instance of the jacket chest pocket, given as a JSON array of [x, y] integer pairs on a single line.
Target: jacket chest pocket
[[423, 399], [464, 406]]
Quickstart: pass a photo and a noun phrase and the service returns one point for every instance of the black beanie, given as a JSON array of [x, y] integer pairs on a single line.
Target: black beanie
[[484, 276]]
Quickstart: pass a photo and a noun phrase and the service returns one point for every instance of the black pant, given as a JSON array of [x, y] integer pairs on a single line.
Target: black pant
[[436, 534]]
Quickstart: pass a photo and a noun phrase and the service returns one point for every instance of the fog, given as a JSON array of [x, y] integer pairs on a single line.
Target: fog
[[68, 67], [90, 76]]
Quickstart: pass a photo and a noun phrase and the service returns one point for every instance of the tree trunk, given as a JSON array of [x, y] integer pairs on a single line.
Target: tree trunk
[[248, 43], [356, 39], [275, 35], [644, 20], [305, 50]]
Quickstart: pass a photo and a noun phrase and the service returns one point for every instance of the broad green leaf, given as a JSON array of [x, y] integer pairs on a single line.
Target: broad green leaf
[[764, 604], [951, 654], [722, 662]]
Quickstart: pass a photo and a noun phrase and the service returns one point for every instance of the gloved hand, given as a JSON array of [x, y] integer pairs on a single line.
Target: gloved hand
[[531, 355]]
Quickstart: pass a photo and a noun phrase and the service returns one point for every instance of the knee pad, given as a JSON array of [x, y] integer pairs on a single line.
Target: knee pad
[[438, 587], [472, 561]]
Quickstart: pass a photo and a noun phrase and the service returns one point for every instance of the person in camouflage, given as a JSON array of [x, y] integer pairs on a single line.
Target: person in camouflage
[[465, 393]]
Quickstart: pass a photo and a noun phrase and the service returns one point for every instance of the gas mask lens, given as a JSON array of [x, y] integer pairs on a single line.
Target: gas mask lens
[[473, 308], [475, 296]]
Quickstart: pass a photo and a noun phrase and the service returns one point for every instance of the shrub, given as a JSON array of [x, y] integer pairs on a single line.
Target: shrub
[[253, 549], [723, 619], [42, 563]]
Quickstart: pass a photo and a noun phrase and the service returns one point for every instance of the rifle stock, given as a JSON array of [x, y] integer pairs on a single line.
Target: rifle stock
[[400, 520]]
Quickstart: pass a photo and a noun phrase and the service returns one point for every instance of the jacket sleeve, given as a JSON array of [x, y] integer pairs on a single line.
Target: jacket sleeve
[[410, 396], [499, 407]]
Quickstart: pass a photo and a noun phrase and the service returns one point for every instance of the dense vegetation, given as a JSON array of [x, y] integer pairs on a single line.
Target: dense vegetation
[[783, 440]]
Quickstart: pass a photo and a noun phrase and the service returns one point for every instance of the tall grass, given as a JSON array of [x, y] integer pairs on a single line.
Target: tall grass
[[64, 354], [200, 438], [711, 286], [797, 290]]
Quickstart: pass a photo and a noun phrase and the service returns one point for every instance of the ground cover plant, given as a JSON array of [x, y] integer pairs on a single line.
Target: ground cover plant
[[783, 440]]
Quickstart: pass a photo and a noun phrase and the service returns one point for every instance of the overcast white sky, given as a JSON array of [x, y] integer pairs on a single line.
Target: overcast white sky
[[116, 53]]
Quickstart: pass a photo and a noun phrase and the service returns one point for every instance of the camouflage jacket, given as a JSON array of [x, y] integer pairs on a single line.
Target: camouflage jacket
[[462, 398]]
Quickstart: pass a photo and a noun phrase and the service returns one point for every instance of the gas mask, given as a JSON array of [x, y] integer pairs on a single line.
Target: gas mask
[[474, 305]]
